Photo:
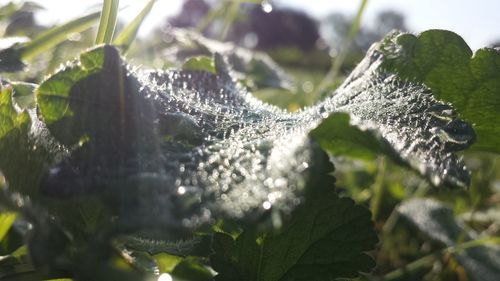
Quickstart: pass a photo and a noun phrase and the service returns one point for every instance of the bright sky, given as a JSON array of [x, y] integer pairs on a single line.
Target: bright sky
[[64, 10], [477, 21]]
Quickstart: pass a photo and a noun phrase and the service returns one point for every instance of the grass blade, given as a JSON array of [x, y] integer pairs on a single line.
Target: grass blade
[[337, 63], [6, 221], [231, 14], [107, 23], [56, 35], [127, 36]]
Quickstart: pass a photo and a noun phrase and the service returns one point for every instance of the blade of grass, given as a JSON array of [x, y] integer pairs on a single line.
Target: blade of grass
[[228, 10], [210, 17], [6, 221], [127, 36], [56, 35], [337, 62], [231, 15], [107, 23], [378, 188]]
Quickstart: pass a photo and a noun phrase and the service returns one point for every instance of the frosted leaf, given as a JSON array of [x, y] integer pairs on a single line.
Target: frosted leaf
[[424, 132], [180, 148]]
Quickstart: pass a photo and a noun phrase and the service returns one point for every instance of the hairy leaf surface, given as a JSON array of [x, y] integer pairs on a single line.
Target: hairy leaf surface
[[443, 62], [191, 142], [424, 132], [196, 145]]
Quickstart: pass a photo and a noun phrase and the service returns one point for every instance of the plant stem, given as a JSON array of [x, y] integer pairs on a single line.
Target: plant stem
[[228, 20], [129, 33], [261, 256], [107, 23], [56, 35], [210, 17], [378, 188], [339, 59], [391, 221], [428, 260], [425, 261]]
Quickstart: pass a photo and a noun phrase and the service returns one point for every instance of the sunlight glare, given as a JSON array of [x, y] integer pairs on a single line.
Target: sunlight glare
[[165, 277], [57, 11], [267, 7]]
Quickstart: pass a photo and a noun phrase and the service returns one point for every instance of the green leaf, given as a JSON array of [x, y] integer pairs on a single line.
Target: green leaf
[[221, 152], [135, 132], [12, 242], [481, 262], [46, 242], [14, 269], [24, 94], [325, 239], [199, 63], [11, 119], [30, 153], [141, 260], [6, 221], [53, 94], [107, 22], [166, 263], [128, 34], [339, 137], [192, 269], [254, 68], [442, 61], [424, 132], [169, 151]]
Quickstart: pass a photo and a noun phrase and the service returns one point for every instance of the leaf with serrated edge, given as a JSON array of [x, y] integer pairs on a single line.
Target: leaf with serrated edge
[[325, 239], [197, 145], [443, 62], [34, 148]]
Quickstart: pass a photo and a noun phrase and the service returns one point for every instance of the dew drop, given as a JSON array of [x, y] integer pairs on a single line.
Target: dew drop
[[266, 205], [181, 190], [266, 6], [165, 277]]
